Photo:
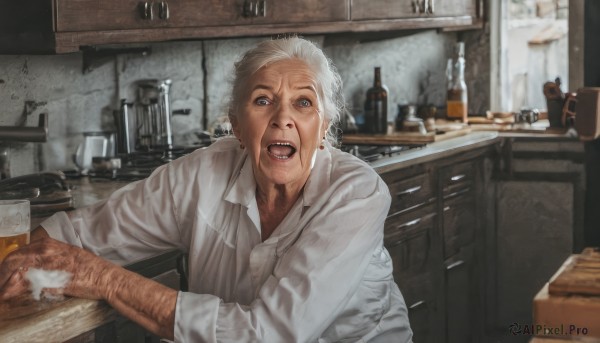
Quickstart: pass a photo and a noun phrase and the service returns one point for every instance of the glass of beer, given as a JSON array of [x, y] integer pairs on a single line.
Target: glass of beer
[[14, 225]]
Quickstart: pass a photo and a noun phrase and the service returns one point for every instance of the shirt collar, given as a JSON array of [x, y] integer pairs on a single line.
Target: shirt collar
[[319, 178], [242, 187]]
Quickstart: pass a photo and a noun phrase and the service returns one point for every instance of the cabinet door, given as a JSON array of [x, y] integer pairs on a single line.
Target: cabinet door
[[459, 223], [398, 9], [461, 287], [93, 15], [383, 9], [459, 207], [303, 11], [411, 240]]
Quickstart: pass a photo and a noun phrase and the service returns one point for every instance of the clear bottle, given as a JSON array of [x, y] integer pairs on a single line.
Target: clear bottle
[[376, 120], [457, 98]]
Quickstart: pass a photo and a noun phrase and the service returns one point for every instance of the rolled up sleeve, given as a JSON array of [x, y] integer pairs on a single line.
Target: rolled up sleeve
[[135, 222]]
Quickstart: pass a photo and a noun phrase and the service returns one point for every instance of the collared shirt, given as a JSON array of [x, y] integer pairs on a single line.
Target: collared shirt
[[322, 276]]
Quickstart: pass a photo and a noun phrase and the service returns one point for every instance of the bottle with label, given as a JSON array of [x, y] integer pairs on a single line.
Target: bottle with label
[[457, 99], [376, 120]]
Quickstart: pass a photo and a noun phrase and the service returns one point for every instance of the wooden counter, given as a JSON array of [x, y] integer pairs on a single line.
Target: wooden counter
[[26, 320]]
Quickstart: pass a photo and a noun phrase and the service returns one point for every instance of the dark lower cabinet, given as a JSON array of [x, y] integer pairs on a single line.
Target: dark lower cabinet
[[411, 240], [459, 291], [434, 241]]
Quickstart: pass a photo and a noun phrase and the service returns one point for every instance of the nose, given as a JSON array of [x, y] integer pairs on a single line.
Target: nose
[[282, 118]]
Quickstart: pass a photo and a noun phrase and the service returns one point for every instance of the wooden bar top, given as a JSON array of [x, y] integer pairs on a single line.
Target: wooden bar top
[[27, 320]]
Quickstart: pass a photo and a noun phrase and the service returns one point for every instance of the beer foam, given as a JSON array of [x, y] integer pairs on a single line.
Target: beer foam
[[40, 279]]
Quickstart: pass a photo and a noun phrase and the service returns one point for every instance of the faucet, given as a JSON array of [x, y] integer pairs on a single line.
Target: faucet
[[20, 134]]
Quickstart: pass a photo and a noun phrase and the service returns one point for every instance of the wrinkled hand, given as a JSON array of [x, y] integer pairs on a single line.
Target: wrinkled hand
[[89, 272]]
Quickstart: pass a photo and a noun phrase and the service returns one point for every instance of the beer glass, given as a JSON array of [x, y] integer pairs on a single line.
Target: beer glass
[[14, 225]]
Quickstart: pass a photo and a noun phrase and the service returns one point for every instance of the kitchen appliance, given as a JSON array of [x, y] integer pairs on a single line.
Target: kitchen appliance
[[95, 144], [153, 115], [526, 116], [587, 122], [145, 125], [555, 99], [371, 153]]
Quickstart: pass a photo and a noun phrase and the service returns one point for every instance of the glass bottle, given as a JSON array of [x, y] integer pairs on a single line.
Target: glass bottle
[[376, 106], [457, 99]]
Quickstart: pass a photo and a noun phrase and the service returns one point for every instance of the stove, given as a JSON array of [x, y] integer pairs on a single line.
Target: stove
[[371, 153], [136, 165]]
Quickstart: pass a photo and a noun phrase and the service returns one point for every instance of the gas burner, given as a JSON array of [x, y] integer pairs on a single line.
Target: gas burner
[[140, 164], [370, 153]]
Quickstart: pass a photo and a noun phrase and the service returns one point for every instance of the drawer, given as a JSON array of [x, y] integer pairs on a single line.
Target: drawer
[[459, 223], [408, 238], [409, 192], [458, 179]]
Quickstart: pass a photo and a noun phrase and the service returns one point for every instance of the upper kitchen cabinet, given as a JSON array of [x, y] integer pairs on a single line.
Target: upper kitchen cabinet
[[62, 26], [418, 13]]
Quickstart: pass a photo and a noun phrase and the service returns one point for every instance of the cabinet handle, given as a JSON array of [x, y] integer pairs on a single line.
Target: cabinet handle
[[459, 192], [408, 191], [163, 10], [447, 208], [416, 6], [261, 8], [457, 177], [254, 8], [248, 9], [431, 4], [418, 304], [146, 10], [455, 264], [410, 223]]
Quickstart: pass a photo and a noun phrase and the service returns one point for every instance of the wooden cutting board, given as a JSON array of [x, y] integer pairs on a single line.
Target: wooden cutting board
[[398, 138], [580, 276]]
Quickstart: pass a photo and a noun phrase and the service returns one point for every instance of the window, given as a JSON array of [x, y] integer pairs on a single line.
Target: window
[[530, 46]]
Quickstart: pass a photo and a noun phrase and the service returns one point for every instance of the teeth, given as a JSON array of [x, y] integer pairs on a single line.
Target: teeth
[[282, 157]]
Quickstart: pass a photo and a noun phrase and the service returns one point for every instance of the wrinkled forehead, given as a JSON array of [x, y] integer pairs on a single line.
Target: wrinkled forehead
[[295, 72]]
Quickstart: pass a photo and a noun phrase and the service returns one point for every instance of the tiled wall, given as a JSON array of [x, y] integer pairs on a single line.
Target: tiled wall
[[413, 68]]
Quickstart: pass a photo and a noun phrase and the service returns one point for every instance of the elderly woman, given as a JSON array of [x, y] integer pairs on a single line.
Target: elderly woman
[[284, 232]]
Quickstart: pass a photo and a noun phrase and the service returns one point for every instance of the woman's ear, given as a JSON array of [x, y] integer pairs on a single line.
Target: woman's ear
[[235, 126], [325, 127]]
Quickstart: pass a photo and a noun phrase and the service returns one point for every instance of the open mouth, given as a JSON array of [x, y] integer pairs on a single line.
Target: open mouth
[[281, 150]]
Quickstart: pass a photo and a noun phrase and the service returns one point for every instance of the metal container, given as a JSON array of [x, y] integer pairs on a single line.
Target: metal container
[[153, 115]]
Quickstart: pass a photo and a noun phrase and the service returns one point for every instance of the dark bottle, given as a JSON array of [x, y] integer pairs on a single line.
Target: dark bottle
[[376, 106]]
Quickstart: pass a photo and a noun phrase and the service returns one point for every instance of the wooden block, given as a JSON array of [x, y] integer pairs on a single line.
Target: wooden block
[[574, 316], [580, 275]]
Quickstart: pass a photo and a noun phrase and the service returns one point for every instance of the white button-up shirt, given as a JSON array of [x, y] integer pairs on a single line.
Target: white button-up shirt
[[322, 276]]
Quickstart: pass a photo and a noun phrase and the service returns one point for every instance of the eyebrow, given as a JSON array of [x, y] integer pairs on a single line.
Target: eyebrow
[[269, 88]]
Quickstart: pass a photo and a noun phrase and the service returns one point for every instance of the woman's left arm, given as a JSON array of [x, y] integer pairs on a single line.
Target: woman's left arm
[[142, 300]]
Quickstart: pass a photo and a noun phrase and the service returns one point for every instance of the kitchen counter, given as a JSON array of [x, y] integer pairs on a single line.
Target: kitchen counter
[[27, 320], [436, 150]]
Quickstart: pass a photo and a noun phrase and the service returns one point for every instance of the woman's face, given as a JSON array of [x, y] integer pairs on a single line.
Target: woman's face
[[280, 123]]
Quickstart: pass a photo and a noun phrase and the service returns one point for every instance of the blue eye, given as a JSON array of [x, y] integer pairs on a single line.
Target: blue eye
[[304, 103], [262, 101]]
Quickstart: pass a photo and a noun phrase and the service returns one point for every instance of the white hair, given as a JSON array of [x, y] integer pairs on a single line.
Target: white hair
[[329, 82]]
